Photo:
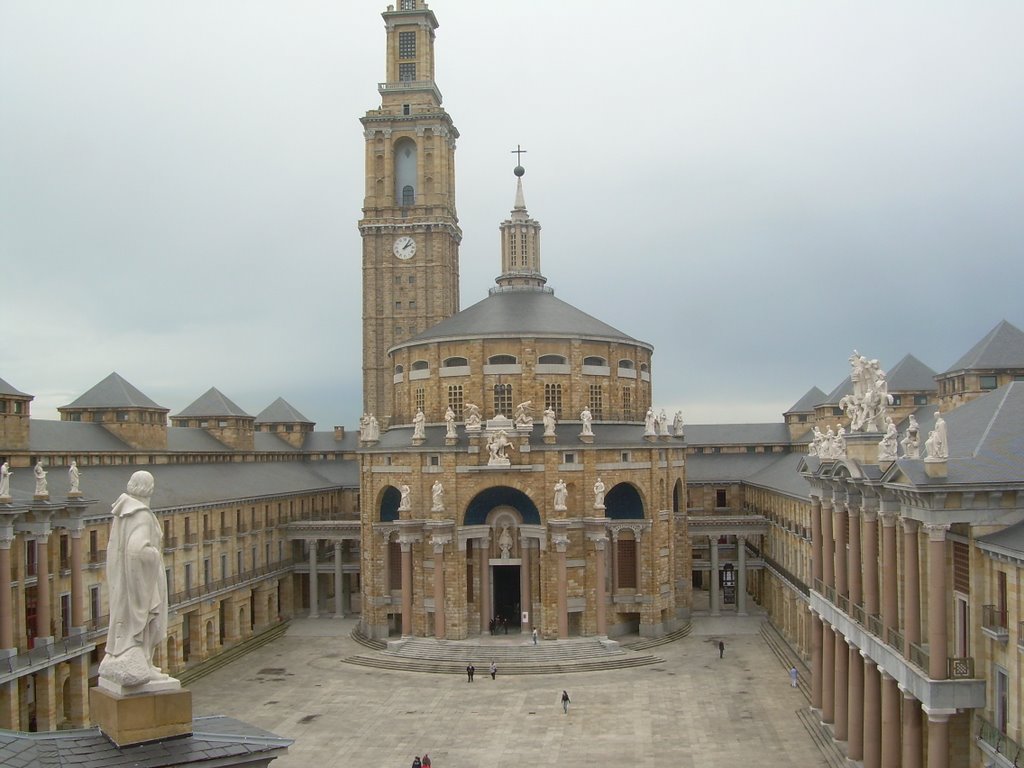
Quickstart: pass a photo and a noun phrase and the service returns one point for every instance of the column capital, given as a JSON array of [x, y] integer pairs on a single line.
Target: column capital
[[938, 715], [936, 531], [599, 539], [439, 541], [560, 541], [910, 525], [869, 515], [889, 517]]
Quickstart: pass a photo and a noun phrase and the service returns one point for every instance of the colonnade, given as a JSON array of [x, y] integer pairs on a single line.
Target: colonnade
[[342, 596]]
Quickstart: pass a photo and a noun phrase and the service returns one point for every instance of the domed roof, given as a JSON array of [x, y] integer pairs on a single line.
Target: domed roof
[[511, 313]]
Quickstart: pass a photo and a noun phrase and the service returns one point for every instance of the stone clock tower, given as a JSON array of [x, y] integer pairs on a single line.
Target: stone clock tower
[[409, 227]]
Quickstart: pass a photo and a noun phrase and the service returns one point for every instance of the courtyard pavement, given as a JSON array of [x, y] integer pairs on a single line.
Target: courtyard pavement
[[693, 711]]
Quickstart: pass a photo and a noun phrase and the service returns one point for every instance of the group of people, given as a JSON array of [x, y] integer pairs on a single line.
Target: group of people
[[471, 671], [424, 763]]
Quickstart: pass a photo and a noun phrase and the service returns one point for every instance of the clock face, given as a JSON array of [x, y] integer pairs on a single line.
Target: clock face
[[405, 247]]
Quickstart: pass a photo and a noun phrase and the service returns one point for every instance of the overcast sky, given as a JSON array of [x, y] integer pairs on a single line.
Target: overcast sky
[[755, 188]]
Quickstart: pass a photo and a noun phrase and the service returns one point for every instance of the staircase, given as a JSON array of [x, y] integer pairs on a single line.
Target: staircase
[[644, 643], [203, 668]]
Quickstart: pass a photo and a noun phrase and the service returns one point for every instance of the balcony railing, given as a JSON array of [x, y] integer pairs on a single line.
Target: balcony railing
[[201, 590], [919, 657], [170, 543], [894, 639], [994, 623], [191, 539], [998, 742], [43, 655]]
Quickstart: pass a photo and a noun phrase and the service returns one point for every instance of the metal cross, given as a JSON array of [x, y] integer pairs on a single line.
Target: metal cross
[[519, 152]]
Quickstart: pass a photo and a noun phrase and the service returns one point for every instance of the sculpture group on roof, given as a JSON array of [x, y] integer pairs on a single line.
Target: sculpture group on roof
[[868, 404], [830, 445]]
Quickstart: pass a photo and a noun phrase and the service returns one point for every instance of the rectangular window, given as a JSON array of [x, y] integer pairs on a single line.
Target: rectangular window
[[407, 45], [503, 399], [987, 382], [627, 403], [455, 401], [420, 398], [569, 458], [626, 564], [721, 498], [398, 306], [961, 567], [406, 73], [207, 575], [553, 399], [897, 399], [408, 5], [921, 399], [188, 576], [94, 602], [1001, 597], [596, 402], [224, 566]]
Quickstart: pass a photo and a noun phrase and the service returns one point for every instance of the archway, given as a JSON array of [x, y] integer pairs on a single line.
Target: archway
[[623, 502], [389, 503]]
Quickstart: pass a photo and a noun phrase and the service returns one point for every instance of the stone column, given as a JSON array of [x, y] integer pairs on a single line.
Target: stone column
[[46, 699], [828, 545], [938, 739], [599, 593], [639, 563], [43, 594], [6, 610], [816, 547], [853, 565], [339, 608], [406, 545], [870, 561], [842, 692], [715, 609], [817, 640], [78, 687], [872, 714], [741, 585], [561, 544], [615, 561], [828, 674], [485, 586], [314, 597], [891, 748], [77, 591], [855, 732], [890, 590], [937, 641], [346, 584], [439, 542], [525, 585], [911, 730], [839, 518], [911, 587], [10, 715]]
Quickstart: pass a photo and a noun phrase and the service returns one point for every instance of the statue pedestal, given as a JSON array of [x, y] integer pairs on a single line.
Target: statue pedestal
[[449, 441], [136, 718], [5, 499], [936, 468], [862, 447], [418, 441], [74, 494], [41, 496], [550, 439], [586, 438]]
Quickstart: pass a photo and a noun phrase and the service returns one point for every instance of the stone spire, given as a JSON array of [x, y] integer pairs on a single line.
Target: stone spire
[[520, 246]]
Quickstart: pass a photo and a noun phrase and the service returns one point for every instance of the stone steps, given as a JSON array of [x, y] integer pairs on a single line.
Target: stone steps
[[831, 754], [398, 664], [778, 646], [191, 674], [653, 642]]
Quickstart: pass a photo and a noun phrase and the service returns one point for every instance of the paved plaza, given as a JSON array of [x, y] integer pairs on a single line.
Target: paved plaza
[[693, 711]]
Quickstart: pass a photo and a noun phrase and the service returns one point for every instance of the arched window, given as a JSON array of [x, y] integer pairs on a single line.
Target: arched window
[[455, 362], [405, 171], [626, 364], [502, 360], [399, 368], [420, 365], [551, 360], [594, 360], [643, 367]]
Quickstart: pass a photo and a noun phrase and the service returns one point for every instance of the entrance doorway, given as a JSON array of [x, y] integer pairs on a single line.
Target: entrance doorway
[[506, 595]]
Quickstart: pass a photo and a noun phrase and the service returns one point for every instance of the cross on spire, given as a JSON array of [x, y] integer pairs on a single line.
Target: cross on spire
[[519, 152]]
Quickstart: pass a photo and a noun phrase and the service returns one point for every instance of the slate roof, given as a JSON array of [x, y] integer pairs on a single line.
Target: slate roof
[[910, 374], [7, 389], [324, 442], [193, 440], [725, 467], [48, 436], [808, 401], [845, 387], [1002, 347], [114, 392], [781, 476], [737, 434], [270, 442], [281, 412], [1009, 541], [213, 739], [212, 403], [523, 312]]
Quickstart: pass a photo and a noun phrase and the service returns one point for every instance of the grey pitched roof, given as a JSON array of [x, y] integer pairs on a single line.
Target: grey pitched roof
[[7, 389], [214, 740], [910, 374], [1008, 541], [114, 392], [782, 476], [514, 313], [324, 442], [269, 442], [725, 467], [281, 411], [190, 440], [1002, 347], [212, 403], [845, 387], [47, 436], [808, 401], [737, 434]]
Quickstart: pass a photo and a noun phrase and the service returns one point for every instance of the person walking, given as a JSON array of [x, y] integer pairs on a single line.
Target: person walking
[[494, 670], [426, 760], [416, 762], [470, 669], [721, 649], [565, 702], [534, 635], [793, 675]]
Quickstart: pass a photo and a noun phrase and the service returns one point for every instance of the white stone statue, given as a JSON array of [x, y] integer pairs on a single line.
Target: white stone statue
[[524, 414], [549, 423], [137, 589], [867, 405], [40, 474], [419, 422], [814, 449], [497, 444], [650, 423], [406, 502], [74, 478], [937, 445], [911, 440], [599, 494], [839, 443], [5, 480], [663, 423], [437, 497], [505, 543], [369, 429], [374, 429], [561, 496], [449, 423], [677, 424], [472, 413], [586, 417], [888, 446]]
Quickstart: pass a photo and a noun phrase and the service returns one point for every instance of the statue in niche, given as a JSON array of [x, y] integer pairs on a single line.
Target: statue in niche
[[497, 444], [40, 474], [74, 478], [472, 413], [888, 446], [911, 440], [561, 496], [586, 417], [406, 503], [437, 497], [549, 423], [677, 424], [524, 414], [650, 423], [5, 480], [599, 494], [419, 422], [449, 423], [505, 543], [137, 588]]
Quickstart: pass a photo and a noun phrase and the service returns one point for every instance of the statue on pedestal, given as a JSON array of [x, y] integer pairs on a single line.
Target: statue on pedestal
[[472, 417], [497, 444], [650, 423], [561, 496], [586, 417], [405, 504], [663, 423], [40, 474], [937, 444], [419, 422], [599, 494], [437, 497], [74, 478], [888, 446], [677, 424], [449, 423], [549, 423], [524, 414], [5, 480], [911, 440]]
